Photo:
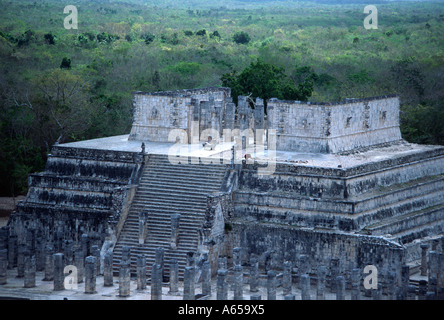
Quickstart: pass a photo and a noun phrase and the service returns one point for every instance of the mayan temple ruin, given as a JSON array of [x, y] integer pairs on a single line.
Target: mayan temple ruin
[[205, 197]]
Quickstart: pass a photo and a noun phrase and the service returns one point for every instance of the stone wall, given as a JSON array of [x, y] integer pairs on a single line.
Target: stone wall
[[274, 244], [334, 128], [402, 196], [81, 191], [157, 114], [344, 183]]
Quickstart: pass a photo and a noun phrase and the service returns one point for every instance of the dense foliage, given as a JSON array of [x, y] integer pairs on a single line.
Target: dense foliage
[[67, 85]]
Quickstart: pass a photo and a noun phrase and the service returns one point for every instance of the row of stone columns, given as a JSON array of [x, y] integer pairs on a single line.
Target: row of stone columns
[[87, 268]]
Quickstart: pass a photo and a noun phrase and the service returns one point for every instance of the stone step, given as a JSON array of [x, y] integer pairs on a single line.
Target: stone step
[[28, 207], [94, 154], [350, 214], [169, 178], [403, 224], [149, 195], [183, 175], [184, 238], [153, 205], [162, 241], [187, 189], [165, 229], [165, 189], [165, 195], [200, 186], [117, 171], [70, 198], [186, 160], [44, 180]]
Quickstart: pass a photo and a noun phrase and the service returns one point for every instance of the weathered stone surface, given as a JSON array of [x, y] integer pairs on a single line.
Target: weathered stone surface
[[188, 284], [324, 128], [356, 206], [3, 266], [222, 285], [59, 278], [156, 284], [141, 272], [90, 274], [174, 277]]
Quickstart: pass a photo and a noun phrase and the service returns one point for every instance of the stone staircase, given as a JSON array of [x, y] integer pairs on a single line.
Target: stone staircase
[[166, 189]]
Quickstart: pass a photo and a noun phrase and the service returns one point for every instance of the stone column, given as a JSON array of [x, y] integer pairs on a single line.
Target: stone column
[[85, 245], [12, 251], [59, 277], [254, 275], [433, 264], [237, 256], [68, 252], [3, 266], [320, 285], [206, 279], [49, 263], [244, 121], [30, 270], [222, 285], [440, 277], [287, 280], [422, 290], [334, 272], [58, 241], [259, 115], [160, 253], [79, 262], [90, 274], [40, 254], [356, 284], [302, 267], [377, 293], [95, 252], [108, 280], [391, 285], [174, 239], [432, 290], [4, 232], [156, 282], [142, 226], [411, 295], [222, 263], [21, 252], [305, 286], [30, 241], [340, 288], [174, 277], [230, 111], [271, 285], [238, 282], [141, 272], [405, 277], [124, 273], [188, 283], [423, 268]]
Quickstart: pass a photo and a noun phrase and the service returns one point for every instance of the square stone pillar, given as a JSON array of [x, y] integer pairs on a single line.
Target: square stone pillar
[[59, 277], [90, 274]]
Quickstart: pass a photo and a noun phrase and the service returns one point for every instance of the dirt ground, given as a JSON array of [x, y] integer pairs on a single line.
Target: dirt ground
[[7, 205]]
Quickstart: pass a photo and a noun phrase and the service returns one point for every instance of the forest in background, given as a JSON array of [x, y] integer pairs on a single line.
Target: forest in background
[[59, 85]]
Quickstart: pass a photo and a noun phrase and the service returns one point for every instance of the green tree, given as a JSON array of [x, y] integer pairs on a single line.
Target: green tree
[[49, 38], [264, 80], [66, 63], [241, 37]]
